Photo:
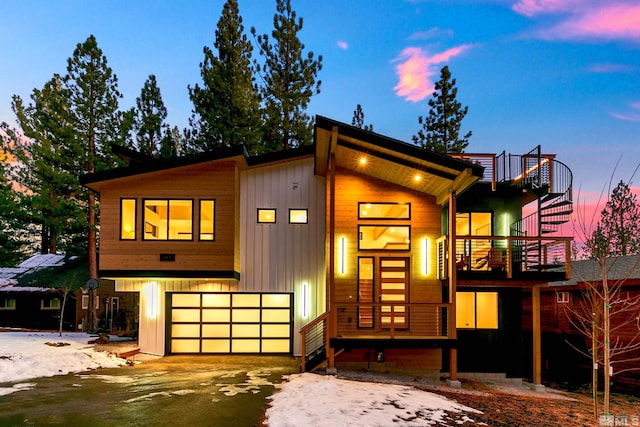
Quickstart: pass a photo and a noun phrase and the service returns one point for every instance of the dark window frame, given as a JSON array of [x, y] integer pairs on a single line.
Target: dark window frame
[[168, 200], [407, 226], [200, 239], [135, 218], [275, 215], [306, 210], [360, 217]]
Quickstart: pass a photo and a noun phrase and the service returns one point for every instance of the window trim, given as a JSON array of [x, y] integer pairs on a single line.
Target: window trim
[[5, 306], [275, 215], [213, 219], [168, 200], [560, 297], [306, 216], [408, 218], [48, 306], [135, 218]]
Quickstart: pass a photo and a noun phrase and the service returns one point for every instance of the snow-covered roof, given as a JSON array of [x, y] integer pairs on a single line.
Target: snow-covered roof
[[623, 267], [36, 262]]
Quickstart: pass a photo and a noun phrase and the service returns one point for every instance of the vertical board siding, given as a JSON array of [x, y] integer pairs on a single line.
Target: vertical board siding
[[280, 257]]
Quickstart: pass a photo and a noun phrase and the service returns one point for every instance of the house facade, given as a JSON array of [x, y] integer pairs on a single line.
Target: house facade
[[358, 250]]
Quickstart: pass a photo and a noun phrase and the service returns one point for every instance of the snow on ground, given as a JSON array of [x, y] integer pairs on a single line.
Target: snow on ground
[[25, 356], [309, 399], [304, 399]]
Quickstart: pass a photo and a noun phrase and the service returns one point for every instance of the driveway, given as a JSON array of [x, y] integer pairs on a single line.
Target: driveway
[[174, 390]]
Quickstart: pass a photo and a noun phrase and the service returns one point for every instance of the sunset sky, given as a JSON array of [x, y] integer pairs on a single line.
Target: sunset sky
[[561, 73]]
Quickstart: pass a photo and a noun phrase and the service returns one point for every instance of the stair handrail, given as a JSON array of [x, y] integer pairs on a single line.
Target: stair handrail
[[303, 332]]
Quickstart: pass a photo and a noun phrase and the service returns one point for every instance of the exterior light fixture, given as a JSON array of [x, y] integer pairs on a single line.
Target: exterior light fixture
[[151, 294], [342, 255], [362, 161], [417, 178], [305, 300], [425, 256]]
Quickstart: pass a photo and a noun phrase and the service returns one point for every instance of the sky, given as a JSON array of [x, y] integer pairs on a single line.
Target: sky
[[26, 358], [563, 74]]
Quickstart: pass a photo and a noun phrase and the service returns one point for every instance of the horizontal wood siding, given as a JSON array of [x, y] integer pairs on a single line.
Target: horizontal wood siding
[[352, 188], [281, 257], [212, 180]]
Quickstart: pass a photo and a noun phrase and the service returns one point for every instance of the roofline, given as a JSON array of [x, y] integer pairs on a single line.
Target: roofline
[[396, 145]]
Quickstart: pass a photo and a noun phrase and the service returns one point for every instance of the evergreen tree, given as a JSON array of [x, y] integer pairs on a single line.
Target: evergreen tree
[[93, 95], [618, 231], [441, 128], [289, 81], [12, 244], [358, 119], [227, 106], [150, 114], [42, 168]]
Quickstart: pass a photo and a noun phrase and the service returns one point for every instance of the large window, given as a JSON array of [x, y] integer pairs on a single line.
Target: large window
[[168, 219], [384, 237], [473, 253], [477, 310], [207, 220], [384, 210], [128, 219]]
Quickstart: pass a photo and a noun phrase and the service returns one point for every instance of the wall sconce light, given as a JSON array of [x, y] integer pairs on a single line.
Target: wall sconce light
[[425, 256], [305, 300], [151, 294], [342, 255]]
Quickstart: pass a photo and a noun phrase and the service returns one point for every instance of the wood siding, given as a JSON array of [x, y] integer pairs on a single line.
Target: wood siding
[[212, 180], [352, 188]]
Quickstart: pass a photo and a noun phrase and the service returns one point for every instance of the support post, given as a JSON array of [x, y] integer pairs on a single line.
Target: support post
[[453, 284], [537, 339]]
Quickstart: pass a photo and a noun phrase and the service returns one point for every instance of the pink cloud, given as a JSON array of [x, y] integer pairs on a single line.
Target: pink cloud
[[585, 19], [416, 70], [630, 116], [343, 45]]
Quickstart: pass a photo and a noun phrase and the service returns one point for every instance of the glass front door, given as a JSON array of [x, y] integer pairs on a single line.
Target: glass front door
[[393, 289]]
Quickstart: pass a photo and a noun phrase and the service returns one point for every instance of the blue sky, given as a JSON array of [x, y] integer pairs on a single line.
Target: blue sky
[[561, 73]]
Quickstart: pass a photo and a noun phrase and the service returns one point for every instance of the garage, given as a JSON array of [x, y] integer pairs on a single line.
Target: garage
[[230, 323]]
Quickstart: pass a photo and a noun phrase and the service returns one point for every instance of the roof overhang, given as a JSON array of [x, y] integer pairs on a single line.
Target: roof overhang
[[391, 160]]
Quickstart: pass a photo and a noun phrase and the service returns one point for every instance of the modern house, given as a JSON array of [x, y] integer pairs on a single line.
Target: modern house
[[359, 250], [563, 304]]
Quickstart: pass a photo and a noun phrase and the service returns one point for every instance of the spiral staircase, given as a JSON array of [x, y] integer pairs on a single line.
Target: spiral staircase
[[547, 185]]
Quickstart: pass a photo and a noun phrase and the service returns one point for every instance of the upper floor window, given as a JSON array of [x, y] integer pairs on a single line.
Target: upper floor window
[[207, 220], [298, 216], [384, 237], [168, 219], [384, 210], [473, 223], [266, 216], [128, 219]]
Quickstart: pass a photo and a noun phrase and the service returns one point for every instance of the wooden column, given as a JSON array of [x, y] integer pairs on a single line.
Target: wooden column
[[451, 265], [332, 329], [537, 336]]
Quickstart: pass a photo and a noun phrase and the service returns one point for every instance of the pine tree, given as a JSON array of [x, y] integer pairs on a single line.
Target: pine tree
[[358, 119], [150, 114], [93, 95], [12, 244], [289, 81], [227, 106], [441, 128], [618, 232], [42, 169]]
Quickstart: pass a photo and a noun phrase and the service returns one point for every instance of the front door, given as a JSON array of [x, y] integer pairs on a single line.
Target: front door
[[394, 289]]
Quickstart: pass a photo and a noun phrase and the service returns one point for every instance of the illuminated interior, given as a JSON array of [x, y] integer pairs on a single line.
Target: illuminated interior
[[384, 210], [207, 222], [298, 216], [477, 310], [168, 219], [473, 253], [128, 219], [266, 216], [365, 291], [384, 237]]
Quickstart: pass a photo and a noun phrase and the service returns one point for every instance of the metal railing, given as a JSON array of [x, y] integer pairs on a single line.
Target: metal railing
[[314, 339]]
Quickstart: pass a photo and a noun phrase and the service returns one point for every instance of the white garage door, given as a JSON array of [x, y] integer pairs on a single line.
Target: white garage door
[[230, 323]]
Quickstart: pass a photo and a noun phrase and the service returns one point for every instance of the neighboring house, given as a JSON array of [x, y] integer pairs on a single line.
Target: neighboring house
[[563, 299], [360, 250], [33, 307]]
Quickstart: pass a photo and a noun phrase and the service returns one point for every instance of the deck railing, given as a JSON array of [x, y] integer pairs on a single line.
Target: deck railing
[[314, 339], [513, 255]]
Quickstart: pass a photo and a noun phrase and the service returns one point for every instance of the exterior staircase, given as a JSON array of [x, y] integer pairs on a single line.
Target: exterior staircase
[[550, 184]]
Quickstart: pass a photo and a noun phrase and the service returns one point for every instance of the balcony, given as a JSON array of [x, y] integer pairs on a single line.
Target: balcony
[[513, 257]]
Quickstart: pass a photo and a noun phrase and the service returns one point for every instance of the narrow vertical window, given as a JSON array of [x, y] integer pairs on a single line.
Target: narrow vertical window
[[365, 292], [127, 219], [207, 219]]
